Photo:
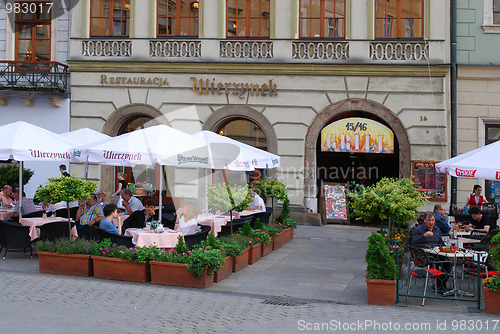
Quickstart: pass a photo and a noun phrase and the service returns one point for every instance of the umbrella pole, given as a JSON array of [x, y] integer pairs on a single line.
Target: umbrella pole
[[20, 188], [86, 167]]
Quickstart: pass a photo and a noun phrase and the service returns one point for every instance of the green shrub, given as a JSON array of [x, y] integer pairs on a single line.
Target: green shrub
[[67, 246], [378, 259]]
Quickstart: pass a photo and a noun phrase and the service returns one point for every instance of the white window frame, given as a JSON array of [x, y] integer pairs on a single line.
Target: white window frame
[[488, 25]]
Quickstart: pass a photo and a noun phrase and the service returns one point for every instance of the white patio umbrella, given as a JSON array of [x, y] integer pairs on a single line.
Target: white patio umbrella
[[248, 157], [157, 144], [81, 137], [481, 163], [27, 142]]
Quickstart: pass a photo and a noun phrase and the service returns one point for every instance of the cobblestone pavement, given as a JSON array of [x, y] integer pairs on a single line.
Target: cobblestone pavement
[[31, 302]]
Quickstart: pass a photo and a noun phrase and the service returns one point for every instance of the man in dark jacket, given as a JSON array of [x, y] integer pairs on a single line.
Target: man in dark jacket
[[139, 218]]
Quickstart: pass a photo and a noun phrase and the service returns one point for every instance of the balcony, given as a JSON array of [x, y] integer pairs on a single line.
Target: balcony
[[34, 79]]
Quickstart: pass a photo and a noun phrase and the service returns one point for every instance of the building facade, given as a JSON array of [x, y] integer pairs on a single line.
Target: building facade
[[34, 76], [478, 106], [344, 91]]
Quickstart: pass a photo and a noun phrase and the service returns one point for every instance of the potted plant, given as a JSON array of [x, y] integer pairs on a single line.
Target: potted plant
[[255, 251], [381, 272], [273, 189], [182, 267], [491, 285], [65, 257], [117, 262], [389, 197], [224, 197], [240, 250], [66, 189]]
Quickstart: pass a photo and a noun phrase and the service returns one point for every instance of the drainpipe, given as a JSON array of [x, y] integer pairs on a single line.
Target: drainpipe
[[453, 93]]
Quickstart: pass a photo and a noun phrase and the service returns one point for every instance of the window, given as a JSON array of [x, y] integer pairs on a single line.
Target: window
[[492, 188], [496, 11], [324, 18], [110, 18], [399, 18], [33, 32], [178, 18], [248, 18], [247, 132]]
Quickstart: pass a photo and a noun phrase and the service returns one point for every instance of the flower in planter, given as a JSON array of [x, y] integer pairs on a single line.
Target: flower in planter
[[67, 246], [137, 254]]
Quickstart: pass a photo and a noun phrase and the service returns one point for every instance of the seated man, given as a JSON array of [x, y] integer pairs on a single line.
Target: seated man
[[5, 195], [428, 234], [139, 218], [257, 203], [88, 213], [110, 211], [480, 222], [28, 205], [441, 223], [130, 203]]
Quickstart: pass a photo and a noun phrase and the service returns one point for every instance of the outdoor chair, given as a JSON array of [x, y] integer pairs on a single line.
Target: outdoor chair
[[91, 233], [168, 220], [14, 236], [262, 216], [63, 213], [422, 266], [116, 239], [55, 230], [35, 214], [237, 224], [196, 238]]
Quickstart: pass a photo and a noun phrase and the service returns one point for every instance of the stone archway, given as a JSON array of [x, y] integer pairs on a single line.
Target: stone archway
[[371, 107], [225, 114], [112, 126]]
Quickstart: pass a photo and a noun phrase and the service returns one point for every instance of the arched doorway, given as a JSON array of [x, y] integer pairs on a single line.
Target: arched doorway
[[247, 132], [396, 165]]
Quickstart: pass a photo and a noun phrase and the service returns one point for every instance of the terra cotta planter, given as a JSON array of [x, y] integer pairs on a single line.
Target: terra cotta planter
[[267, 249], [120, 269], [491, 301], [176, 274], [241, 261], [225, 271], [381, 292], [255, 253], [65, 264]]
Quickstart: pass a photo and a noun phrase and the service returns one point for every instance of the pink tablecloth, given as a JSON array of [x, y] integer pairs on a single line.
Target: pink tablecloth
[[6, 214], [214, 222], [144, 238], [34, 222]]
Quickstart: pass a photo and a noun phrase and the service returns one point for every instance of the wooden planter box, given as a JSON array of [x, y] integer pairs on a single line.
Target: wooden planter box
[[491, 301], [120, 269], [288, 234], [255, 253], [241, 261], [225, 271], [175, 274], [381, 292], [65, 264], [266, 250]]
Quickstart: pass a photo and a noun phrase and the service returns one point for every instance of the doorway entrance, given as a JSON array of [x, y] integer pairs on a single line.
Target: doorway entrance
[[356, 148]]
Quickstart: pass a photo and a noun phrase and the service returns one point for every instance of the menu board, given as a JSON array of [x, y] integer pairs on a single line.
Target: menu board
[[428, 181], [334, 202]]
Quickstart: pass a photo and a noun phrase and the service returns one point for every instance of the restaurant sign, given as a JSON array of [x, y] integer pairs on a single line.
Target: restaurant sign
[[240, 89], [133, 81], [357, 135]]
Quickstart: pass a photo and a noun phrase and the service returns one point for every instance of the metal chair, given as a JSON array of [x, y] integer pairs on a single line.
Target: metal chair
[[63, 213], [421, 266], [35, 214], [237, 224], [194, 239], [55, 230], [14, 236], [91, 233], [116, 239]]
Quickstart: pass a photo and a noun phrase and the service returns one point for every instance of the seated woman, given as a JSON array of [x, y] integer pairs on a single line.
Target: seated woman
[[186, 221], [110, 211]]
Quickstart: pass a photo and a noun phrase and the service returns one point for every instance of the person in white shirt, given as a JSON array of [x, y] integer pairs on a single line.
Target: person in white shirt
[[186, 221], [258, 203], [130, 203]]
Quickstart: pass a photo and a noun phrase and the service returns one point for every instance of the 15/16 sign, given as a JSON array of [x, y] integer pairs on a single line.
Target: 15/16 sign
[[356, 126]]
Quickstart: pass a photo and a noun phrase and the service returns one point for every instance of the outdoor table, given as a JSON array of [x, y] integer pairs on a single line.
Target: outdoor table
[[215, 222], [34, 222], [119, 222], [142, 237], [6, 214]]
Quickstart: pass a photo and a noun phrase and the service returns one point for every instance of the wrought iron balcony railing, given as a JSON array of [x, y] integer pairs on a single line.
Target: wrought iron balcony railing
[[40, 76]]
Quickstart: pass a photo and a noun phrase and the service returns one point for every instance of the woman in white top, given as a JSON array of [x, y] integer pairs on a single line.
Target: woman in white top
[[186, 221]]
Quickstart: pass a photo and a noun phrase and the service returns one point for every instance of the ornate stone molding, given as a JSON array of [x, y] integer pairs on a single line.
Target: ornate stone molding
[[106, 48], [401, 51], [320, 50], [175, 49], [246, 50]]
